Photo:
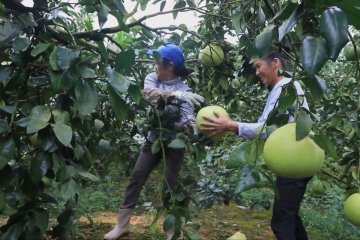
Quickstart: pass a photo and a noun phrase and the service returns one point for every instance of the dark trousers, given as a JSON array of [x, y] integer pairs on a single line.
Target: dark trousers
[[286, 222], [145, 163]]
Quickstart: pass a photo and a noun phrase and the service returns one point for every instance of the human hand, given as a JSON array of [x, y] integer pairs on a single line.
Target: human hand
[[190, 98], [218, 124]]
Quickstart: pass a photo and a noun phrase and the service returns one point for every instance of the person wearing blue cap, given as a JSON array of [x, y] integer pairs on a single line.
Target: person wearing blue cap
[[165, 84]]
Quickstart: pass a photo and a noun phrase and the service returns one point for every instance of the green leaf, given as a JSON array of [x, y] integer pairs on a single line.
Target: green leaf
[[9, 109], [124, 60], [285, 12], [316, 85], [334, 27], [41, 217], [63, 133], [260, 21], [264, 39], [239, 156], [53, 60], [14, 231], [21, 43], [98, 124], [287, 97], [303, 124], [325, 143], [35, 125], [104, 146], [23, 122], [66, 56], [40, 48], [313, 54], [27, 19], [103, 51], [38, 167], [248, 179], [86, 97], [291, 21], [177, 144], [162, 5], [79, 151], [118, 104], [61, 116], [103, 12], [191, 3], [352, 10], [236, 21], [120, 7], [7, 150], [2, 200], [86, 72], [64, 80], [40, 112], [4, 126], [69, 189], [169, 222], [89, 176], [179, 4], [5, 74], [135, 93], [8, 30], [156, 146], [117, 81]]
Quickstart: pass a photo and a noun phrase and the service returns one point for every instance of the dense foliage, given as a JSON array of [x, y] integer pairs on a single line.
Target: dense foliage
[[70, 100]]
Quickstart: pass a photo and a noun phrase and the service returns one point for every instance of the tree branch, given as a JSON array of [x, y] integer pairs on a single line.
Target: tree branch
[[139, 22], [134, 10]]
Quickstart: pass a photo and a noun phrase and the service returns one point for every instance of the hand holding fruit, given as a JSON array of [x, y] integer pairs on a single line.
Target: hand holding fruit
[[214, 121]]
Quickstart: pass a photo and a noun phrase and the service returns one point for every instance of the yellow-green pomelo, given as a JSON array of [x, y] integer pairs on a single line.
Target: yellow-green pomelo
[[287, 157], [237, 236], [352, 209], [349, 51], [318, 187], [212, 55], [209, 113]]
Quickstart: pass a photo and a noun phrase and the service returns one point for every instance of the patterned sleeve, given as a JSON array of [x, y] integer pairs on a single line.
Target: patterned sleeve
[[151, 92]]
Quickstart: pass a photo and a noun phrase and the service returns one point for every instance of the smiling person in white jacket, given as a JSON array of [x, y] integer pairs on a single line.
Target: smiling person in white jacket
[[166, 83], [286, 222]]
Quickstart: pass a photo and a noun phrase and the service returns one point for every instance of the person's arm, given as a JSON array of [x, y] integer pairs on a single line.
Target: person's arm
[[151, 92], [252, 130], [246, 130]]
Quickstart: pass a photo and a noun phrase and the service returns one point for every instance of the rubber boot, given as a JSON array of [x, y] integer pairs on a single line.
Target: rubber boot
[[170, 233], [122, 226]]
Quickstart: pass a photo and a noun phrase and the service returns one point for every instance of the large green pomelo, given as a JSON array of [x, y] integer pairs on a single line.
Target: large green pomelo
[[209, 113], [212, 55], [287, 157], [352, 209], [349, 51]]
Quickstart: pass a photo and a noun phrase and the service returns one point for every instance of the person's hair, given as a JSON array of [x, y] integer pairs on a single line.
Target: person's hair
[[179, 71], [271, 56]]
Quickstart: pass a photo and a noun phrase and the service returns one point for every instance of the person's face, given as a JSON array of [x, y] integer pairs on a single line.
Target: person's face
[[267, 71], [164, 72]]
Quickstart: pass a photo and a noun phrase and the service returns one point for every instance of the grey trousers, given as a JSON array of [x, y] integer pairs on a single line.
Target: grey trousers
[[145, 163]]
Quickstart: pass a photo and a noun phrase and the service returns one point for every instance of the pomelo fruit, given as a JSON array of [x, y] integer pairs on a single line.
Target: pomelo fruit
[[209, 113], [318, 187], [287, 157], [212, 55], [352, 209], [349, 51]]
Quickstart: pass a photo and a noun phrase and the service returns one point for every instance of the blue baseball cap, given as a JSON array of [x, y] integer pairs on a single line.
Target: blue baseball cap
[[171, 52]]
